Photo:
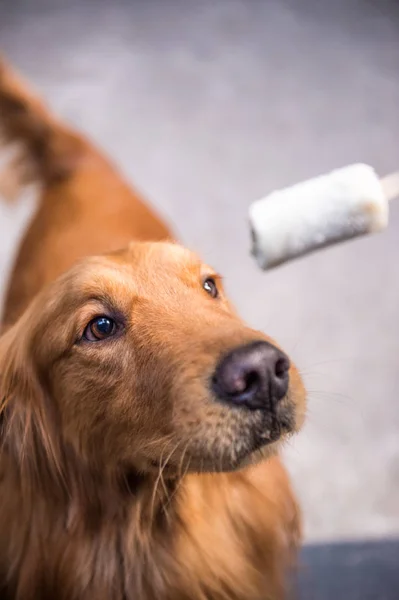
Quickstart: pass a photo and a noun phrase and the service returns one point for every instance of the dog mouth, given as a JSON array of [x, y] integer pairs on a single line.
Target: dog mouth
[[269, 436], [272, 430], [263, 439], [228, 452]]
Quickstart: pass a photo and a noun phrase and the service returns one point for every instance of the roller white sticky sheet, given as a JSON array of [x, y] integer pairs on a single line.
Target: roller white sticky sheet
[[341, 205]]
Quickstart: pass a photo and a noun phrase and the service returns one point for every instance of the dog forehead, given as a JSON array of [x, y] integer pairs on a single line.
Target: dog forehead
[[94, 277], [161, 254], [135, 269], [159, 260]]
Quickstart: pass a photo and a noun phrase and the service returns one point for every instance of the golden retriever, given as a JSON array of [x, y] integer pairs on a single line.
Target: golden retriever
[[141, 418]]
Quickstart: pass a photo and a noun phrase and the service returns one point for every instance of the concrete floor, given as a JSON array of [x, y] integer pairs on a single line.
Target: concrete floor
[[210, 104]]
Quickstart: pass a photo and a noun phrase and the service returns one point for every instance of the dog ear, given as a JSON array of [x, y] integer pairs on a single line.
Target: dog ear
[[28, 427]]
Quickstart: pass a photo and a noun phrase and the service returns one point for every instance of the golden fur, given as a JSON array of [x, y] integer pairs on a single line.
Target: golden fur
[[122, 477]]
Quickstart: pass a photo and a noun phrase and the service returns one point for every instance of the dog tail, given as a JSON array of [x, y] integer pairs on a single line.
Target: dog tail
[[42, 149]]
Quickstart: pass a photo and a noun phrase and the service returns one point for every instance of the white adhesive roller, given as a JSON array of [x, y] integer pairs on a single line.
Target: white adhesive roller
[[341, 205]]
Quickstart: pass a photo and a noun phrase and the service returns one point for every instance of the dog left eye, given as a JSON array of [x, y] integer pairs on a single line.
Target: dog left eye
[[210, 287], [99, 329]]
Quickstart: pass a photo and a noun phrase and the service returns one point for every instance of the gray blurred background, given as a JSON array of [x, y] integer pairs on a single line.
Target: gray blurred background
[[208, 105]]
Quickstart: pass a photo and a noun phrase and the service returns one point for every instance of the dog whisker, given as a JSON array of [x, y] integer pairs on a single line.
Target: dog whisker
[[162, 467]]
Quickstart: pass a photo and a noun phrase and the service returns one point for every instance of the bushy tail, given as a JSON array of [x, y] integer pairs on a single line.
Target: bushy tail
[[46, 150]]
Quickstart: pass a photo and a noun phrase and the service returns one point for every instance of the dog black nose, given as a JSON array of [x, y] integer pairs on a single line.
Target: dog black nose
[[255, 376]]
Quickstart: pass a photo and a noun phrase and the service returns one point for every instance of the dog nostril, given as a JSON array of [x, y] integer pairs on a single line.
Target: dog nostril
[[252, 381], [241, 383], [282, 367], [280, 378]]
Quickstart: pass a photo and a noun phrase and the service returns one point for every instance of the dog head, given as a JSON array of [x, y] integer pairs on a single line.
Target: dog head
[[138, 360]]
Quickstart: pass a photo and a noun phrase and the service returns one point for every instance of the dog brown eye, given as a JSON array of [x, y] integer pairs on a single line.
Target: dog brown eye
[[100, 328], [210, 287]]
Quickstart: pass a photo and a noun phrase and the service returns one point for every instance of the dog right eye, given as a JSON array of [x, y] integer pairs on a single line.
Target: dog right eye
[[100, 328]]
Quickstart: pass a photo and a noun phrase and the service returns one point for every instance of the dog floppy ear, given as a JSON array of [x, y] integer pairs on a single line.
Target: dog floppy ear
[[27, 416]]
